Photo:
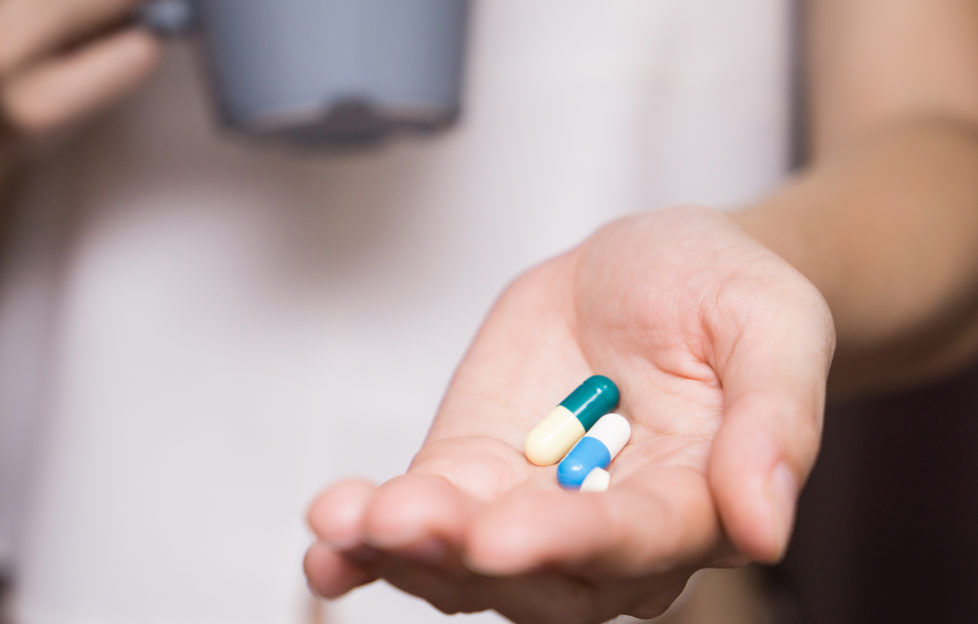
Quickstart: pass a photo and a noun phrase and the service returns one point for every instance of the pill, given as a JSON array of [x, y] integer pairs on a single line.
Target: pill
[[556, 434], [597, 480], [595, 450]]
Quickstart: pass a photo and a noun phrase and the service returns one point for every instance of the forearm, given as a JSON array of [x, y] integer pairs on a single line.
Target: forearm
[[888, 231]]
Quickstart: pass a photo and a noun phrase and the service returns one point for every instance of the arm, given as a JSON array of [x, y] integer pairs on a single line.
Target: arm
[[884, 220], [720, 348]]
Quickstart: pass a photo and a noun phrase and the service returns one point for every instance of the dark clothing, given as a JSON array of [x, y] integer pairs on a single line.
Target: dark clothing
[[888, 524]]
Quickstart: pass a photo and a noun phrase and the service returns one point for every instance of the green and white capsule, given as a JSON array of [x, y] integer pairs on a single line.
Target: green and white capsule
[[562, 428]]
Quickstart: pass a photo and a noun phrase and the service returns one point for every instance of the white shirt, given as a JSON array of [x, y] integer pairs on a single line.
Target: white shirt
[[196, 335]]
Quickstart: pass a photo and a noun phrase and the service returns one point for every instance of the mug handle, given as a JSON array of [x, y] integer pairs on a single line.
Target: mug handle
[[167, 18]]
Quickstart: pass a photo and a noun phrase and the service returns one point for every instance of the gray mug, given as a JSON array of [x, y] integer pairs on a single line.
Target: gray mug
[[326, 72]]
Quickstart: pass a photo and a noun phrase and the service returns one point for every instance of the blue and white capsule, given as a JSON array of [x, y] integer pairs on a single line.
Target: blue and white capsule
[[602, 444]]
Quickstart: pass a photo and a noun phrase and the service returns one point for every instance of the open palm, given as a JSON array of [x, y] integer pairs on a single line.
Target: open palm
[[720, 350]]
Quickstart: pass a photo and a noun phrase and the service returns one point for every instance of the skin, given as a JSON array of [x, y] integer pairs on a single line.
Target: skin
[[719, 331], [60, 62], [884, 220]]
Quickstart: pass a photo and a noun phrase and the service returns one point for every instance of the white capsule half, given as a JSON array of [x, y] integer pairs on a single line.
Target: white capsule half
[[598, 480], [614, 431]]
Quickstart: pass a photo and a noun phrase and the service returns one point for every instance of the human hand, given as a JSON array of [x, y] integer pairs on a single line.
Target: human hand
[[60, 60], [720, 350]]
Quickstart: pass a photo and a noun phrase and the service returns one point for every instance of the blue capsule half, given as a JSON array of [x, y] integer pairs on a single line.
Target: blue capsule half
[[588, 454]]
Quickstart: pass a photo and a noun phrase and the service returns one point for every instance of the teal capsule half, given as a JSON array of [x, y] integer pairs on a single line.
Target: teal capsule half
[[594, 398]]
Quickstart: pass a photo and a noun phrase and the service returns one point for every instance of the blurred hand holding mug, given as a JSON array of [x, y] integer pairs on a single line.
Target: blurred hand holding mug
[[326, 72]]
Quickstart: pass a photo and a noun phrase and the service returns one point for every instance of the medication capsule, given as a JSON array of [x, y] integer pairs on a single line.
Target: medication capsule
[[595, 450], [556, 434], [598, 480]]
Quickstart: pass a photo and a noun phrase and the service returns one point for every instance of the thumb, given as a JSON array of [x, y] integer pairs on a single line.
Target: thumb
[[774, 399]]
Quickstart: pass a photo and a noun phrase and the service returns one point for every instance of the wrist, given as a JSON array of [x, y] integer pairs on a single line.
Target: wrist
[[783, 224]]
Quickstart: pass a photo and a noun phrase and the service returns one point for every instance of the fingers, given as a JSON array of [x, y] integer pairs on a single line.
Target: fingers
[[420, 515], [407, 531], [336, 518], [411, 532], [64, 88], [651, 522], [538, 598], [330, 574], [336, 515], [549, 596], [30, 29], [774, 389]]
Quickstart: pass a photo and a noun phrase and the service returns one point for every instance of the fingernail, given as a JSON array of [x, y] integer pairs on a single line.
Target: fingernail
[[782, 492]]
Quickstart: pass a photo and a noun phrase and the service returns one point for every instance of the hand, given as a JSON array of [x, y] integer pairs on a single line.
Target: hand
[[721, 352], [58, 61]]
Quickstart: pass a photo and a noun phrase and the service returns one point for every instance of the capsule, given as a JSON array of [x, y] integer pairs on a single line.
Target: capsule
[[568, 422], [598, 480], [595, 450]]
